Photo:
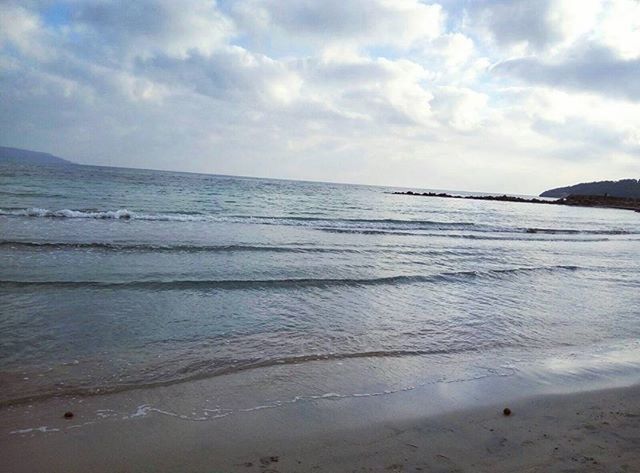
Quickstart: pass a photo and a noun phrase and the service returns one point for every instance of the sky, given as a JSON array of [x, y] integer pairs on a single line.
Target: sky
[[506, 95]]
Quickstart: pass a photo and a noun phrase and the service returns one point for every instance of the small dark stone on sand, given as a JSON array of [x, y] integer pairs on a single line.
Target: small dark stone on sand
[[267, 460], [506, 411], [68, 415]]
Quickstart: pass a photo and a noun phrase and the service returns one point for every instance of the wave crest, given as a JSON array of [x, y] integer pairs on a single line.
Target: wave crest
[[239, 284], [123, 214], [332, 225]]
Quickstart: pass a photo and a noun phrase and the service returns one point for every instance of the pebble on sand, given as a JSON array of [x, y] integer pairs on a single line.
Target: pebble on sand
[[506, 411], [68, 415]]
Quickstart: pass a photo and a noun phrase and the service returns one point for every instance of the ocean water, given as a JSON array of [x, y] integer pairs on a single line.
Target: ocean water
[[115, 279]]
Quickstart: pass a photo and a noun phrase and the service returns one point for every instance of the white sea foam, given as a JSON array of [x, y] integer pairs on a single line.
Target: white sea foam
[[120, 214], [67, 213], [145, 409], [43, 429]]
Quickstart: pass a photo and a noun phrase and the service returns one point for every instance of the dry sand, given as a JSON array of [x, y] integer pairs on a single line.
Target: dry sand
[[596, 431]]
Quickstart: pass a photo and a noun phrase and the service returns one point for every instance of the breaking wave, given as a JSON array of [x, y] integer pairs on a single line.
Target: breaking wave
[[332, 225], [121, 214]]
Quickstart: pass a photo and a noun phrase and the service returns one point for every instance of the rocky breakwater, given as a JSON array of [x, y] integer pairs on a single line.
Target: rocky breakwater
[[573, 200], [601, 201]]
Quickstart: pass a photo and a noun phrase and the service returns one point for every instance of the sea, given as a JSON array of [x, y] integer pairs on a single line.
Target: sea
[[113, 280]]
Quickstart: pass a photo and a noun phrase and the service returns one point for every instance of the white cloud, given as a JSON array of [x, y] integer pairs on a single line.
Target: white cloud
[[461, 108], [455, 48], [375, 89], [23, 29], [597, 122], [523, 26], [620, 28]]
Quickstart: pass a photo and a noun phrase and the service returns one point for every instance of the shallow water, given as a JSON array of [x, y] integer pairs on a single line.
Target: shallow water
[[112, 279]]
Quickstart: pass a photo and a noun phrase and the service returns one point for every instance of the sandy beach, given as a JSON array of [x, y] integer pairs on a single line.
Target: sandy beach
[[596, 431]]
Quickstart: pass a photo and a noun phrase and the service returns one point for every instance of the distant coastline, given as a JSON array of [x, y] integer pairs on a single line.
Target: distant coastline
[[572, 200], [624, 188], [622, 194], [24, 156]]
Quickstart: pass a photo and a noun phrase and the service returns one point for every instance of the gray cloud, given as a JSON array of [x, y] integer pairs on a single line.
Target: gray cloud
[[232, 73], [509, 22], [360, 22], [147, 27], [595, 69]]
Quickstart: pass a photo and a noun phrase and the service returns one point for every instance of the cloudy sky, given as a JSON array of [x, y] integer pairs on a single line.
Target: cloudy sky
[[504, 95]]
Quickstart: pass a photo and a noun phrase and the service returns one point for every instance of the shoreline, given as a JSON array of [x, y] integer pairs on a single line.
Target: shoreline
[[604, 202], [595, 431], [568, 414]]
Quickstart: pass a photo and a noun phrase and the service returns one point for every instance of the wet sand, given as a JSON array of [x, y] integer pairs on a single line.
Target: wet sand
[[597, 431]]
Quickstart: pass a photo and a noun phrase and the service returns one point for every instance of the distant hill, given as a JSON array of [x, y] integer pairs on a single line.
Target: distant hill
[[629, 188], [23, 156]]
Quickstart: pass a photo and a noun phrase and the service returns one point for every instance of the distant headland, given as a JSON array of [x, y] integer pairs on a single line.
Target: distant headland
[[625, 188], [23, 156]]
